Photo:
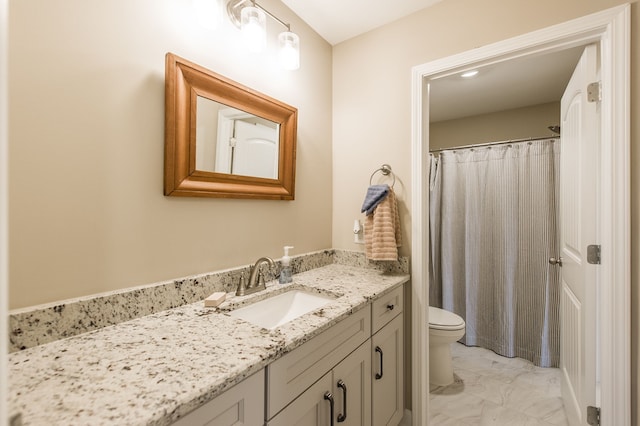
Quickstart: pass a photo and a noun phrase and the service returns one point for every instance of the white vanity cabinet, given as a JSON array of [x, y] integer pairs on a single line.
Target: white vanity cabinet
[[387, 345], [351, 374], [243, 404], [360, 357]]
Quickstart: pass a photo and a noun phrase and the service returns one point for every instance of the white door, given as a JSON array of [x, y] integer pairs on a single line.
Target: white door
[[256, 150], [579, 194]]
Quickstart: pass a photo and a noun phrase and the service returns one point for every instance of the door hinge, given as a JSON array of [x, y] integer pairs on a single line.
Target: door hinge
[[594, 92], [593, 416], [593, 254]]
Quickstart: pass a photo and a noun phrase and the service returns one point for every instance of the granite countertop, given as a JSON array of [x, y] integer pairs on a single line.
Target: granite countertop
[[155, 369]]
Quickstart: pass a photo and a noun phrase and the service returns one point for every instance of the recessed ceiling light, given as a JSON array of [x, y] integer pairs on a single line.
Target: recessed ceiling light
[[469, 74]]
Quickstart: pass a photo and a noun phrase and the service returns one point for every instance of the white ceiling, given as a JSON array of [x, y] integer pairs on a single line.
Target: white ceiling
[[530, 80], [340, 20], [507, 85]]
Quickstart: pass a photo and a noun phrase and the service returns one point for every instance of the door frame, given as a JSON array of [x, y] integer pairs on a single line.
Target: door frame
[[610, 29]]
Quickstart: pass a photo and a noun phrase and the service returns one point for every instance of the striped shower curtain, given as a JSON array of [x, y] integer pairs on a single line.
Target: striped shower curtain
[[493, 227]]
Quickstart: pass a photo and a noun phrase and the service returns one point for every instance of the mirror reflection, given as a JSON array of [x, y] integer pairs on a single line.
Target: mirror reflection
[[236, 142]]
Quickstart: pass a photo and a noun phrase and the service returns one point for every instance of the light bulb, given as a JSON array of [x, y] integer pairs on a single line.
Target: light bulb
[[253, 24], [289, 50], [208, 13]]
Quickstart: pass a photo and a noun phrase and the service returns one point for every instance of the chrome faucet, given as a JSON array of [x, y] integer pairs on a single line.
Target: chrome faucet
[[256, 278]]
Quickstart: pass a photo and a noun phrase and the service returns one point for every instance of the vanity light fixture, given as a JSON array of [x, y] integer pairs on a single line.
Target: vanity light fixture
[[469, 74], [250, 17]]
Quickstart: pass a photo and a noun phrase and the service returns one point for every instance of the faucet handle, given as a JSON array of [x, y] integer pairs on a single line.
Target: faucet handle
[[242, 285]]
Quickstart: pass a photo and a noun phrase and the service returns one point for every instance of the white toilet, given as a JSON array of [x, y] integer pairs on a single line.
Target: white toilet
[[444, 328]]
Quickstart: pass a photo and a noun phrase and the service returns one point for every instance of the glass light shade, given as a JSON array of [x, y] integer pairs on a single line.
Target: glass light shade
[[289, 50], [254, 28], [208, 13]]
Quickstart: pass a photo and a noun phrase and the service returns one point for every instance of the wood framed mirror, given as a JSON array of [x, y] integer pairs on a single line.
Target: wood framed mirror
[[223, 139]]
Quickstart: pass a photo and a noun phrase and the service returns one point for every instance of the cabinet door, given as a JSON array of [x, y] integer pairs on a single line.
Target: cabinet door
[[243, 404], [311, 408], [388, 373], [352, 388]]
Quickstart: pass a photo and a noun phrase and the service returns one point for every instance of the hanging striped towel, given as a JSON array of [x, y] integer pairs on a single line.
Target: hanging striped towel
[[382, 235]]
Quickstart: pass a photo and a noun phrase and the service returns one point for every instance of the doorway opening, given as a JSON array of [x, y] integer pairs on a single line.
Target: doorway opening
[[610, 30]]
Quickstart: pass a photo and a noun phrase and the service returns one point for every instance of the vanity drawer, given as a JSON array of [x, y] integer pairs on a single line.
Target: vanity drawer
[[296, 371], [386, 308]]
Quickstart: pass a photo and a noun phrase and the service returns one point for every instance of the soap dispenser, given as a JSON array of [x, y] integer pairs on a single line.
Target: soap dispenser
[[285, 271]]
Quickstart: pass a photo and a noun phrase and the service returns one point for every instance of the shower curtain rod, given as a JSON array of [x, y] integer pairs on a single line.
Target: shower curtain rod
[[477, 145]]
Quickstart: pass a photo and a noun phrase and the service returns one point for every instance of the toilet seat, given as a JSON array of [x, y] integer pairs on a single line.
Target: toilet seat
[[439, 319]]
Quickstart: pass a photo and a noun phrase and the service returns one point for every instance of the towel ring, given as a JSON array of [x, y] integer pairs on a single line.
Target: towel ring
[[386, 171]]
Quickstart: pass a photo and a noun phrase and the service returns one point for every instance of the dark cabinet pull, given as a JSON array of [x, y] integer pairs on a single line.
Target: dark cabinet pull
[[342, 417], [328, 396], [390, 306], [379, 375]]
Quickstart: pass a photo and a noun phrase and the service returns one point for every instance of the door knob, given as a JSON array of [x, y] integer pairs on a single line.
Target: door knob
[[554, 261]]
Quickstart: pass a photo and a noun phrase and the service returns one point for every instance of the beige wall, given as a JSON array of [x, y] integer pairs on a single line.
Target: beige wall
[[4, 226], [519, 123], [86, 107], [372, 99]]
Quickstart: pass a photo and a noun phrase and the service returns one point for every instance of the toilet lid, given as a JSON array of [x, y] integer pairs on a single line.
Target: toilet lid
[[439, 318]]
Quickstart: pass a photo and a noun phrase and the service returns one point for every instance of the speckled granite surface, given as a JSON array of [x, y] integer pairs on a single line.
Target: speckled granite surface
[[154, 369], [41, 324]]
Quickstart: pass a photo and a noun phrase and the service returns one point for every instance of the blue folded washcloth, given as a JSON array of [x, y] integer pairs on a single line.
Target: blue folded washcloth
[[375, 195]]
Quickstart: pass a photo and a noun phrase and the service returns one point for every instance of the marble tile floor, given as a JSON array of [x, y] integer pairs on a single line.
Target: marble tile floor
[[493, 390]]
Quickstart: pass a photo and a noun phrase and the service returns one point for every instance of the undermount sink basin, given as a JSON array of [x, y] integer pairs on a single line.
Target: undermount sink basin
[[282, 308]]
